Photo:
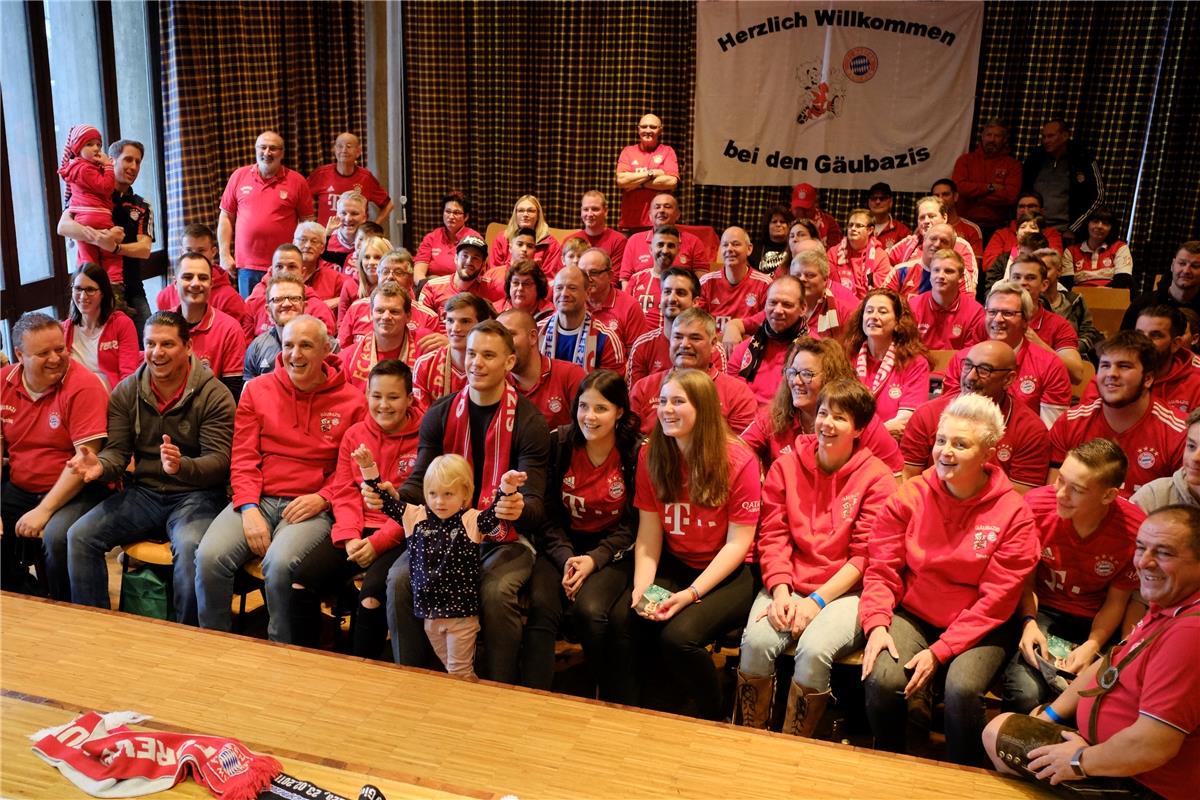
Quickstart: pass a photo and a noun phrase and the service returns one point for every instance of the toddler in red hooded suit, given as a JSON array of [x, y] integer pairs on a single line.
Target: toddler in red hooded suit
[[88, 173]]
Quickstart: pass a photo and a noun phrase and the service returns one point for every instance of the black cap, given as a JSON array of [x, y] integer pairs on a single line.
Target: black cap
[[880, 187], [471, 241]]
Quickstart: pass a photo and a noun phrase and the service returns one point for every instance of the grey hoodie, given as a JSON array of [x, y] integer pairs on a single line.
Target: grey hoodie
[[200, 424], [1165, 492]]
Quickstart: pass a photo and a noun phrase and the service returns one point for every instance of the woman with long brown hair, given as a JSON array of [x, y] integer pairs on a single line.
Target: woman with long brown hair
[[885, 348]]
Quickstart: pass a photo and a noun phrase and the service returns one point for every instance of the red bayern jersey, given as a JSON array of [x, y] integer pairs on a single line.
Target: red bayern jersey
[[694, 533], [1074, 574], [594, 496], [622, 314], [438, 290], [948, 328], [327, 185], [1041, 379], [1154, 444], [554, 392], [40, 434], [438, 249], [609, 240], [770, 369], [692, 254], [725, 300], [652, 353], [906, 388]]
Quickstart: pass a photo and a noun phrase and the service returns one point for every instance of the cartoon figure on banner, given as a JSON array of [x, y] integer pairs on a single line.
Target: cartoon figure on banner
[[819, 97]]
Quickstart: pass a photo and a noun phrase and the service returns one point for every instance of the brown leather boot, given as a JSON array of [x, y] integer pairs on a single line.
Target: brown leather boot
[[804, 709], [752, 700]]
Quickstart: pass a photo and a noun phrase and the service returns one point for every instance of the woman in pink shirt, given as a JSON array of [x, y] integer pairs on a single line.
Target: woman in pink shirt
[[435, 255], [885, 348]]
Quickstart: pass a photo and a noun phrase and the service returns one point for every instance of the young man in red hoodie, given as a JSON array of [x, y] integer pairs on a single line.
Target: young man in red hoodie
[[361, 538], [286, 435]]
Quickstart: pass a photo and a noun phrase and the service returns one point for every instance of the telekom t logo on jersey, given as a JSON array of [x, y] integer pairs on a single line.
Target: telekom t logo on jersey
[[575, 504], [677, 516]]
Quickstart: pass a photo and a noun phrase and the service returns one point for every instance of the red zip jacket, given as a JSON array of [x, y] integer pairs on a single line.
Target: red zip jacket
[[812, 522], [285, 442], [957, 564], [395, 454], [118, 352]]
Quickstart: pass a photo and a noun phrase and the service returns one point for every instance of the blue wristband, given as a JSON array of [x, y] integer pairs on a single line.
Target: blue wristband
[[816, 598], [1054, 717], [244, 506]]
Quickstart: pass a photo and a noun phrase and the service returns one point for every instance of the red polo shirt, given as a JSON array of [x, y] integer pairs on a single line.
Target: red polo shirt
[[951, 328], [218, 342], [40, 435], [265, 212]]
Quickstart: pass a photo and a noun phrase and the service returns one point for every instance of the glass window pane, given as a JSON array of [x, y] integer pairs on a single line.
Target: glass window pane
[[134, 99], [24, 158]]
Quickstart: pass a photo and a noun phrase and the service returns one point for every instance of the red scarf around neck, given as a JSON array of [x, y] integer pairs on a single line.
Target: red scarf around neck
[[497, 445]]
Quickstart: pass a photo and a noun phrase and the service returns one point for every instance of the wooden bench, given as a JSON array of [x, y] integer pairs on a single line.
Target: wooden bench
[[1107, 305]]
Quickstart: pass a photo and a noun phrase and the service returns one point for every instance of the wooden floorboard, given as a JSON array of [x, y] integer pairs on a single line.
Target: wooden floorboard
[[339, 720]]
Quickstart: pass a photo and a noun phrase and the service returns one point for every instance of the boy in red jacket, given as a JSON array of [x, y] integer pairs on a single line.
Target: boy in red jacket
[[286, 434], [362, 539]]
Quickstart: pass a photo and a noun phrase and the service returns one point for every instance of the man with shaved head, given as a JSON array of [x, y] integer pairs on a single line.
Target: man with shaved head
[[1023, 452], [643, 170], [330, 181], [640, 249], [932, 211], [548, 383], [910, 278], [572, 334], [735, 291]]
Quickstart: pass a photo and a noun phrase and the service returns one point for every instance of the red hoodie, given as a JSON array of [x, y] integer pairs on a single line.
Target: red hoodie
[[812, 522], [957, 564], [395, 454], [285, 442]]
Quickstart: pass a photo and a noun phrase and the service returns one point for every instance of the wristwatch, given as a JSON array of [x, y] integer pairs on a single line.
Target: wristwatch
[[1077, 763]]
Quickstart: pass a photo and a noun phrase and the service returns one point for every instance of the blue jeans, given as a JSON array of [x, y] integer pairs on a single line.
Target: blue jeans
[[130, 516], [967, 674], [225, 549], [248, 279], [1024, 686], [832, 634], [15, 502]]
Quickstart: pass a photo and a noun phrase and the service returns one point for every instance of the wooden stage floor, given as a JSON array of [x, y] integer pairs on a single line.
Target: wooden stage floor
[[340, 722]]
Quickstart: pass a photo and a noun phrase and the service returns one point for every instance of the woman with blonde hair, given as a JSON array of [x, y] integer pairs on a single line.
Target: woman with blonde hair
[[366, 262], [883, 344], [697, 497], [527, 213]]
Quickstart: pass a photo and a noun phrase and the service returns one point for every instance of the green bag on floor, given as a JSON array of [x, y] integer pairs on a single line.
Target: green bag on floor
[[144, 592]]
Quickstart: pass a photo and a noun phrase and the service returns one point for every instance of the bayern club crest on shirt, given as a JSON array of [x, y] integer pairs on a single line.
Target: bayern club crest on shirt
[[895, 392], [283, 194], [1146, 459], [555, 404], [1028, 386], [1105, 566], [957, 330], [55, 421], [752, 300], [1004, 452], [616, 488]]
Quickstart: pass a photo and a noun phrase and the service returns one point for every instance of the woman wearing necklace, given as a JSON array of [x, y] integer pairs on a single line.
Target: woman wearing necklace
[[810, 365], [819, 503], [886, 350], [583, 560], [101, 338]]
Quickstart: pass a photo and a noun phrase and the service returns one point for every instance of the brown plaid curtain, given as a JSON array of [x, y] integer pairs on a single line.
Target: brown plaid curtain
[[234, 69], [515, 97]]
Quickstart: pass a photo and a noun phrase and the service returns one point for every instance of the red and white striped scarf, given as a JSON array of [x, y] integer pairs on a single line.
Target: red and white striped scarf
[[882, 374]]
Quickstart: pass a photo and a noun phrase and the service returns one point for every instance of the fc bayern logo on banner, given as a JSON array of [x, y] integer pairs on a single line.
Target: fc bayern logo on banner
[[860, 64]]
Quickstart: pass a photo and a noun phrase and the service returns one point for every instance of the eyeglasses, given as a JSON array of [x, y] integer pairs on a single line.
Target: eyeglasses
[[87, 291], [1000, 312], [596, 273], [984, 371], [452, 213], [294, 299], [805, 375], [393, 273], [857, 225]]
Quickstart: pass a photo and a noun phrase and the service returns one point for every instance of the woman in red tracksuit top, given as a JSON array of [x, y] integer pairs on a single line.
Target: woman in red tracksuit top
[[362, 539], [810, 364], [101, 338], [946, 563], [698, 490], [819, 504]]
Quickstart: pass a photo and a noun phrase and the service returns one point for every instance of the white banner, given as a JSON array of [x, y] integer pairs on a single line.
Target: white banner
[[838, 95]]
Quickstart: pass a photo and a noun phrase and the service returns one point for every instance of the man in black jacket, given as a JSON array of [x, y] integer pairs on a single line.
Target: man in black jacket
[[1067, 177]]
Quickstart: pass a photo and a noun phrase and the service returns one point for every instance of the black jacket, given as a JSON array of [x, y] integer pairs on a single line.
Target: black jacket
[[1086, 190]]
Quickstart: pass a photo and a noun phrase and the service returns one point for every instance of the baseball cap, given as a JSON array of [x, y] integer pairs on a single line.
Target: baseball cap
[[880, 188], [472, 241], [804, 196]]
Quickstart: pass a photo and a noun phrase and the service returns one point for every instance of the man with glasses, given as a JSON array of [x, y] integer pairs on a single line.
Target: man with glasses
[[324, 279], [285, 302], [608, 304], [888, 229], [1005, 239], [286, 260], [270, 199], [1040, 380], [1023, 452]]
